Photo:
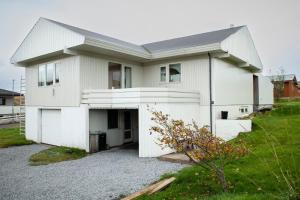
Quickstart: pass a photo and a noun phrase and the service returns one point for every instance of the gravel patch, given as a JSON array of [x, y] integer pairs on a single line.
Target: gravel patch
[[101, 176]]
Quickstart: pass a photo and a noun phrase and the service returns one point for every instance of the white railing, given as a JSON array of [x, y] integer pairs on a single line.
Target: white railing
[[8, 110], [136, 96]]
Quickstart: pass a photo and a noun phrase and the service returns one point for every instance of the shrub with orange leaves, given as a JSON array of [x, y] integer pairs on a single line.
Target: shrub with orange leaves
[[198, 143]]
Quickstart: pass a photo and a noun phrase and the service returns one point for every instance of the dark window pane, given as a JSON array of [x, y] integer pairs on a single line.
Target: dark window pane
[[56, 73], [163, 74], [112, 119], [49, 74], [42, 75], [175, 72]]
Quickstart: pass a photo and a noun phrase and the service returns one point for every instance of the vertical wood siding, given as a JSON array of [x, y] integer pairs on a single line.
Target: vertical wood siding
[[232, 85], [44, 38], [66, 93], [94, 72], [194, 76]]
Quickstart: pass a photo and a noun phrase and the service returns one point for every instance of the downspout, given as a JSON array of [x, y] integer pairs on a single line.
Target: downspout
[[210, 92]]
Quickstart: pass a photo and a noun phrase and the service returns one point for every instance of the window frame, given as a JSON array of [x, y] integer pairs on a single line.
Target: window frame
[[180, 73], [54, 70], [160, 71]]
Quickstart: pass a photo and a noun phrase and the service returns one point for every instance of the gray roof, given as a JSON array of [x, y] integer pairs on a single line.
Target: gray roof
[[101, 37], [171, 44], [8, 93], [285, 77], [192, 40]]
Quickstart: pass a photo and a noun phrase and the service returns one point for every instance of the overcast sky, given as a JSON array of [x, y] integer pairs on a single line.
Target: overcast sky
[[274, 24]]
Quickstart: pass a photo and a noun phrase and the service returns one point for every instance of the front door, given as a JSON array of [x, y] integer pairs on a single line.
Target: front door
[[127, 127]]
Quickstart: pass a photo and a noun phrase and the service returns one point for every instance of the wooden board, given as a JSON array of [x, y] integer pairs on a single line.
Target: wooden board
[[151, 189]]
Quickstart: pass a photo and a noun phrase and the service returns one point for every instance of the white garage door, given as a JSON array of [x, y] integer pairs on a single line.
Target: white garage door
[[51, 127]]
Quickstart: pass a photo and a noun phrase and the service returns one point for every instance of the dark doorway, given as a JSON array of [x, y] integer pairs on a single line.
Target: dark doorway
[[255, 93]]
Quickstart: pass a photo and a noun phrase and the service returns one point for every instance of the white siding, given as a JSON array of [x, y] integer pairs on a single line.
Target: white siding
[[45, 38], [232, 85], [265, 90], [194, 75], [66, 93], [74, 126], [232, 90], [94, 72], [242, 46]]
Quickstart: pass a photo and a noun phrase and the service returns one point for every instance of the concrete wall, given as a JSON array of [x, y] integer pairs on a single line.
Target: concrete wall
[[229, 129], [148, 142]]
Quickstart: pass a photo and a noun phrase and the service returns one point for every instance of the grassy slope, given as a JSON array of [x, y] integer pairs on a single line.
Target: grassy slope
[[253, 176], [56, 154], [11, 137]]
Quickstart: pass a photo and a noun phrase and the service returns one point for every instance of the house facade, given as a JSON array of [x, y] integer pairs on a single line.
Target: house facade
[[7, 104], [80, 83], [291, 87]]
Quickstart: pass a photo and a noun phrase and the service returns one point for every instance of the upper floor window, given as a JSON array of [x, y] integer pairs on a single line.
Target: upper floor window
[[175, 72], [48, 74], [163, 74], [128, 77]]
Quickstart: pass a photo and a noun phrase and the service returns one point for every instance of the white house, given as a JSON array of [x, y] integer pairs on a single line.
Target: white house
[[79, 82], [7, 106]]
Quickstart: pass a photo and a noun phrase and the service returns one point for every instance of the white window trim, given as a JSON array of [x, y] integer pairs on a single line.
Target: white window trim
[[167, 66], [53, 78]]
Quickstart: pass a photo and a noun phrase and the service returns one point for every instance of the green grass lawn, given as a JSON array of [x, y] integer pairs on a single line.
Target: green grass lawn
[[262, 174], [11, 137], [56, 154]]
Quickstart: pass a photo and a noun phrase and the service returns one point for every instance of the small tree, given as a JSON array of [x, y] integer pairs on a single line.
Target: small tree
[[198, 143]]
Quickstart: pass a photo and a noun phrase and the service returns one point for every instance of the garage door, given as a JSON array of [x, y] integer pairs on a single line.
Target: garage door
[[51, 127]]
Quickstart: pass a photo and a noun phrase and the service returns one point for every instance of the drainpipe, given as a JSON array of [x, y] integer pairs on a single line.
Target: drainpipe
[[210, 93]]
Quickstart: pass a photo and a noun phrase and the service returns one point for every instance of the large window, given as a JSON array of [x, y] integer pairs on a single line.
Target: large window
[[48, 74], [163, 74], [42, 75], [175, 72], [112, 119]]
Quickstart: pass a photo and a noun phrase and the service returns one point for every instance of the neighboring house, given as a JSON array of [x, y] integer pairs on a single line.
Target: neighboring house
[[7, 102], [291, 88], [79, 82]]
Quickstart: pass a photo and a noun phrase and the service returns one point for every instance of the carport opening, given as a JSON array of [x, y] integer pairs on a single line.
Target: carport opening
[[109, 128]]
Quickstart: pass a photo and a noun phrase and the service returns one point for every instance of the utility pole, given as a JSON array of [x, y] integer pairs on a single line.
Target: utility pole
[[13, 103]]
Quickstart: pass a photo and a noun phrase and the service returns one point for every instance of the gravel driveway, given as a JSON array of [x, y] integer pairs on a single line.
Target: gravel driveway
[[104, 175]]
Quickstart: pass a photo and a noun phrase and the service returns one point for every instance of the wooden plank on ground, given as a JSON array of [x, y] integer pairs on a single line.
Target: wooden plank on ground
[[151, 188], [161, 185]]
